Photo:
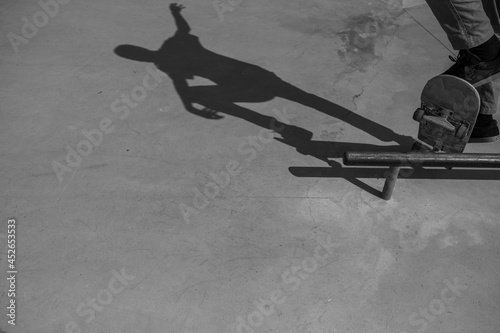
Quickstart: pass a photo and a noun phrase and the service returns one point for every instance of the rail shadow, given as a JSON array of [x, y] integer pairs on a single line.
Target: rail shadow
[[354, 174]]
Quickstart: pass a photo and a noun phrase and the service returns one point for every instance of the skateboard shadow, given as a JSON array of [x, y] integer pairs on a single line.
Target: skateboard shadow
[[182, 57]]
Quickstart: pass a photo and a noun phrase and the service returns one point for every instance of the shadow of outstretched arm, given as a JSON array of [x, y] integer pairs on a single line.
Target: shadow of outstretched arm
[[182, 25]]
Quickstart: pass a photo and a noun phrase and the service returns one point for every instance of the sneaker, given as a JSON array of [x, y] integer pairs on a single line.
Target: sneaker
[[470, 68], [485, 130]]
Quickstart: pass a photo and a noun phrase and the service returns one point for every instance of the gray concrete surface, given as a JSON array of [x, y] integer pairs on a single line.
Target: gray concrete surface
[[114, 233]]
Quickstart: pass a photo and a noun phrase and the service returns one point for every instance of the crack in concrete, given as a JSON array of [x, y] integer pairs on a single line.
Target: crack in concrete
[[355, 97], [133, 130], [309, 201]]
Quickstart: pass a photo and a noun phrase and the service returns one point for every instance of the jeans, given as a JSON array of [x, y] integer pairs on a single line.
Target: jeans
[[469, 23]]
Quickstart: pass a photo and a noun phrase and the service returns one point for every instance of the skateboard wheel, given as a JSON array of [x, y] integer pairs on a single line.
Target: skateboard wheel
[[462, 132], [418, 115]]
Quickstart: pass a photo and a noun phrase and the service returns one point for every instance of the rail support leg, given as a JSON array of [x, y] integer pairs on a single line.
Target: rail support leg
[[390, 182]]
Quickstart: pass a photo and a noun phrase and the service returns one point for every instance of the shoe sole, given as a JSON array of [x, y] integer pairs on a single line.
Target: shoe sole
[[484, 140]]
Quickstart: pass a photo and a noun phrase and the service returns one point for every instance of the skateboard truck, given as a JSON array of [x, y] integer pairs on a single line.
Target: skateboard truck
[[441, 120], [441, 124]]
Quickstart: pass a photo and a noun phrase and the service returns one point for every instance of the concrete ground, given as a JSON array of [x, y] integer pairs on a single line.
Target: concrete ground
[[135, 212]]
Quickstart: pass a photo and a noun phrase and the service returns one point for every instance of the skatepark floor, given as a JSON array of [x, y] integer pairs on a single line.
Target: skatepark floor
[[133, 213]]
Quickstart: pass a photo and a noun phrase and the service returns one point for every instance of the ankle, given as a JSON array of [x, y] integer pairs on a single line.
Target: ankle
[[484, 119], [485, 116], [487, 51]]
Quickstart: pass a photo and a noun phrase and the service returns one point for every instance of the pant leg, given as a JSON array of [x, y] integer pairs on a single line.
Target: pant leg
[[492, 9], [489, 92], [465, 21], [489, 97]]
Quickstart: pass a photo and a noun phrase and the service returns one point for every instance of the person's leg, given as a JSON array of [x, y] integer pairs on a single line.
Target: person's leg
[[492, 9], [471, 30], [486, 128], [489, 97], [464, 21], [491, 91]]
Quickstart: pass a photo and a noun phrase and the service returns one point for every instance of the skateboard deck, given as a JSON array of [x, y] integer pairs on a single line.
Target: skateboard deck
[[448, 112]]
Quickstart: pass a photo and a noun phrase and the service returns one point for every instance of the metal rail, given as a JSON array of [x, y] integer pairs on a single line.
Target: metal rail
[[415, 159]]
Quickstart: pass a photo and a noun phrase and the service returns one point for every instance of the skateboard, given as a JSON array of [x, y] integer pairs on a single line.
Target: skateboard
[[448, 112]]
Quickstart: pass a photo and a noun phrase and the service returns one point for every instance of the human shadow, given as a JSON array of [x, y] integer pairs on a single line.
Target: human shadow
[[182, 57]]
